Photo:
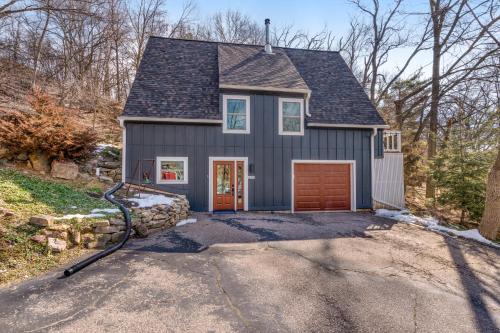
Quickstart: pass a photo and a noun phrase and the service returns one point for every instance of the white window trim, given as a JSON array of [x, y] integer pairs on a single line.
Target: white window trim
[[159, 159], [280, 115], [225, 98]]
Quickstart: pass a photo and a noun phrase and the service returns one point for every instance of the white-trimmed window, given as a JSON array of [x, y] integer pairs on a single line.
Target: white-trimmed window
[[291, 116], [236, 114], [171, 170]]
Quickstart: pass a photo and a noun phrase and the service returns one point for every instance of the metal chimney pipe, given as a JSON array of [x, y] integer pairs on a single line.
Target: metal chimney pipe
[[267, 47]]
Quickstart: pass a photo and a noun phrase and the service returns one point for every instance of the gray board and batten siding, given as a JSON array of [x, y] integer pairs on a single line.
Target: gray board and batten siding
[[269, 154]]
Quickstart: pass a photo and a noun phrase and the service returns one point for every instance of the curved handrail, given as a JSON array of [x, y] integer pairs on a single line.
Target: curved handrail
[[128, 223]]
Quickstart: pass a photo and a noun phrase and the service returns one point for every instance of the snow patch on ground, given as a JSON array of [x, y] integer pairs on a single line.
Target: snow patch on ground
[[187, 221], [432, 223], [94, 213], [79, 216], [144, 200], [105, 210]]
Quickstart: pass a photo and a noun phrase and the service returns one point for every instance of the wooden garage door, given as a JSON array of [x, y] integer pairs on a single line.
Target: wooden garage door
[[322, 187]]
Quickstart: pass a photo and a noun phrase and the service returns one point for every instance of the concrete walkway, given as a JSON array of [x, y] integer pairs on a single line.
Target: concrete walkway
[[272, 273]]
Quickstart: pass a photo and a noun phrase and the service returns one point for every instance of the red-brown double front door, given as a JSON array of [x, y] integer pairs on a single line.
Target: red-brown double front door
[[228, 182]]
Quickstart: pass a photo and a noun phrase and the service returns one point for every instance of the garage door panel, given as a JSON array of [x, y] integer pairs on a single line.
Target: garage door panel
[[322, 186]]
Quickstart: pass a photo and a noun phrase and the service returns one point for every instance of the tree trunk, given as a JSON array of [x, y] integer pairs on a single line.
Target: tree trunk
[[430, 190], [490, 223], [39, 48]]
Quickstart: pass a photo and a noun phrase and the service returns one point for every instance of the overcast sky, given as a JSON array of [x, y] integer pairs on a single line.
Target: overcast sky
[[311, 16]]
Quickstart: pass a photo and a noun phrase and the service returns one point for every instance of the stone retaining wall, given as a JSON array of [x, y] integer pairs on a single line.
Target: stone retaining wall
[[58, 236]]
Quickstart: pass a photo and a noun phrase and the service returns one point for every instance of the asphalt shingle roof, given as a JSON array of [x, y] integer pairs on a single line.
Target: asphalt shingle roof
[[180, 79], [251, 66]]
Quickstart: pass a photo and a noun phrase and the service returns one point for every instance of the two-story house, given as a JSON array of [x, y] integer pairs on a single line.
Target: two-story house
[[247, 127]]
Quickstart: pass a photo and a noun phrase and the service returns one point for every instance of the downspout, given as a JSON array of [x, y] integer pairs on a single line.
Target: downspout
[[124, 150], [128, 223], [308, 96], [372, 160]]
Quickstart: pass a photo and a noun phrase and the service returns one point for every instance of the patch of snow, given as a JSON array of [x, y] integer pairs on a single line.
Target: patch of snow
[[73, 207], [144, 200], [184, 222], [105, 210], [432, 223], [78, 216], [94, 213]]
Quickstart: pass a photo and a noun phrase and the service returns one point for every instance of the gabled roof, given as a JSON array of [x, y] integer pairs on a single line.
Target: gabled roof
[[180, 79], [251, 66]]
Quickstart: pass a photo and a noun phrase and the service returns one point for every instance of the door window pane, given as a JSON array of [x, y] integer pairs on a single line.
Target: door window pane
[[223, 179], [239, 177]]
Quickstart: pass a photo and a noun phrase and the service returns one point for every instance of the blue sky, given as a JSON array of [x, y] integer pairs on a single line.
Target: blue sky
[[311, 16]]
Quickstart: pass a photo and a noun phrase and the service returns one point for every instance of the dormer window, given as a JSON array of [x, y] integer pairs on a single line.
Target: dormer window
[[291, 116], [236, 114]]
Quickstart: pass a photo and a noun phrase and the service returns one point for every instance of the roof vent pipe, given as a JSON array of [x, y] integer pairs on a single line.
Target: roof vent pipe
[[268, 47]]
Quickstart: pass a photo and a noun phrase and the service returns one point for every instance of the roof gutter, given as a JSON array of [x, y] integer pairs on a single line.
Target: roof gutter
[[123, 119], [305, 92], [374, 127], [258, 88]]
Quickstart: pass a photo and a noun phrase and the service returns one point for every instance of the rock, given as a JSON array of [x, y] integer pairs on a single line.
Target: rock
[[58, 227], [95, 245], [76, 236], [105, 179], [6, 212], [22, 157], [135, 221], [141, 230], [56, 245], [116, 222], [155, 224], [59, 235], [40, 239], [39, 161], [109, 164], [101, 223], [87, 238], [42, 220], [117, 236], [64, 170], [85, 177], [106, 230], [160, 217], [96, 241], [103, 238]]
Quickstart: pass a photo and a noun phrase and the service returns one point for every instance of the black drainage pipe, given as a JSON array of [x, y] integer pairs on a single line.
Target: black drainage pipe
[[128, 223]]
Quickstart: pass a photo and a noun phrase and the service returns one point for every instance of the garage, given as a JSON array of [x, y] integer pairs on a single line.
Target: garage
[[322, 186]]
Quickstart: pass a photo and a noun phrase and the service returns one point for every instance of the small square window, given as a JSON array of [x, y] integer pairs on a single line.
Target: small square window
[[236, 114], [291, 116], [172, 170]]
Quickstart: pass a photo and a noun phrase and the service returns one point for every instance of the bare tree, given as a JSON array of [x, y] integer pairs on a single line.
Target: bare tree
[[456, 31], [232, 26], [148, 19]]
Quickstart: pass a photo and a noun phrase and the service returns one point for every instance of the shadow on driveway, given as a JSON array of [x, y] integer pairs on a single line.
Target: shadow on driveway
[[260, 227]]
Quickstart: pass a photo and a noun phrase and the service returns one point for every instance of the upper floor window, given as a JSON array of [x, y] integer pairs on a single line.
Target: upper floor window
[[392, 141], [291, 116], [236, 114]]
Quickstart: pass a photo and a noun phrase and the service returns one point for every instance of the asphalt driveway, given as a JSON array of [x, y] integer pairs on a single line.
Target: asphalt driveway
[[331, 272]]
